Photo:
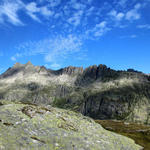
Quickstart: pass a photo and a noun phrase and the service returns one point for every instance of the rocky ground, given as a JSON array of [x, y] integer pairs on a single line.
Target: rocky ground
[[27, 126]]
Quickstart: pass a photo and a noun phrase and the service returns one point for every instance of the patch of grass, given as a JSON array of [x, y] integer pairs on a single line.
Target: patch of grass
[[59, 102], [139, 133]]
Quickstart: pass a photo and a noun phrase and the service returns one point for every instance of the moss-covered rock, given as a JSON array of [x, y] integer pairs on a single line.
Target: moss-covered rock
[[27, 126]]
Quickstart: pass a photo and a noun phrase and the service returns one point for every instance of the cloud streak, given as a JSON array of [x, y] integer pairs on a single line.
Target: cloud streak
[[54, 50], [143, 26], [10, 11]]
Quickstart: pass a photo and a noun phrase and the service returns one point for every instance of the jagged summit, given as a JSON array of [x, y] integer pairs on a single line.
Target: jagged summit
[[17, 64], [18, 68], [29, 63], [93, 71]]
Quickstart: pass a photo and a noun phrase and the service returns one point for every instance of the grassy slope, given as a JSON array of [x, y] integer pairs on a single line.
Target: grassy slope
[[139, 133]]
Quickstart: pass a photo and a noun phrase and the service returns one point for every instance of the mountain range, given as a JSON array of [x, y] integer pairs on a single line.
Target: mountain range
[[97, 91]]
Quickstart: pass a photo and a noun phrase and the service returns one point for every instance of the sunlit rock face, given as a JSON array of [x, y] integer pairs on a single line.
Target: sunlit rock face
[[26, 126], [97, 91]]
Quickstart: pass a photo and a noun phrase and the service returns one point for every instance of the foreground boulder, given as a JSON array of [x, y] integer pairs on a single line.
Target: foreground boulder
[[27, 126]]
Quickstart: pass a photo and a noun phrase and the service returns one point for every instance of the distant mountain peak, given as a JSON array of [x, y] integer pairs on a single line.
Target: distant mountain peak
[[17, 64], [29, 63]]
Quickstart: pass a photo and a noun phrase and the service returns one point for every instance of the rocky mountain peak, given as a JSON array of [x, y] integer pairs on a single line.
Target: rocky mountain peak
[[17, 68], [17, 64], [95, 72], [73, 70], [29, 64]]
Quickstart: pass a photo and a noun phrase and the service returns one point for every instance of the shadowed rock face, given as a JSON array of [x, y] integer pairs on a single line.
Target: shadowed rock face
[[97, 91], [26, 126]]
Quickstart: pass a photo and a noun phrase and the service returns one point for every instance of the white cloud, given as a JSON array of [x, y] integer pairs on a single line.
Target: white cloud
[[113, 13], [133, 14], [86, 17], [10, 11], [122, 2], [33, 10], [55, 66], [117, 16], [62, 47], [76, 19], [99, 30], [54, 3], [54, 50], [144, 26], [13, 58], [137, 6], [78, 6], [101, 25], [89, 1], [32, 7], [133, 36], [46, 12], [57, 15]]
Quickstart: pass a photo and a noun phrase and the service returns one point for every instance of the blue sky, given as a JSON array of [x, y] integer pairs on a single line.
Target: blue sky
[[60, 33]]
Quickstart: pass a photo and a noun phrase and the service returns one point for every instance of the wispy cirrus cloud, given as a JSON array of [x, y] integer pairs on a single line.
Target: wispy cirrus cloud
[[54, 50], [10, 11], [33, 9], [132, 36], [143, 26], [99, 30], [116, 15], [67, 19], [134, 14], [67, 16]]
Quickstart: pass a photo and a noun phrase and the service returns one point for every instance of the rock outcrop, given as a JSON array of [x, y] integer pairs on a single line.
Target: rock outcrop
[[26, 126]]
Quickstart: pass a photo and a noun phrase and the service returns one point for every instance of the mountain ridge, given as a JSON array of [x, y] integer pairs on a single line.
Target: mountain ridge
[[96, 91], [17, 64]]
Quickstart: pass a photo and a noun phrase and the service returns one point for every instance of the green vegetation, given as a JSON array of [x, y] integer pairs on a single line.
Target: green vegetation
[[139, 133], [59, 102]]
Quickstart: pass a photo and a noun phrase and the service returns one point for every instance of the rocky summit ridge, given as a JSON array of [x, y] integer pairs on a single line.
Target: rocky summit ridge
[[96, 91]]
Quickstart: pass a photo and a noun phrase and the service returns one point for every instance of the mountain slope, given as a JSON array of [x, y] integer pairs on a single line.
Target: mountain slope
[[97, 91]]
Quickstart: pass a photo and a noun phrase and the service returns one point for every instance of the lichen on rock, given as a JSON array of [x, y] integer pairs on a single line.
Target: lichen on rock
[[27, 127]]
